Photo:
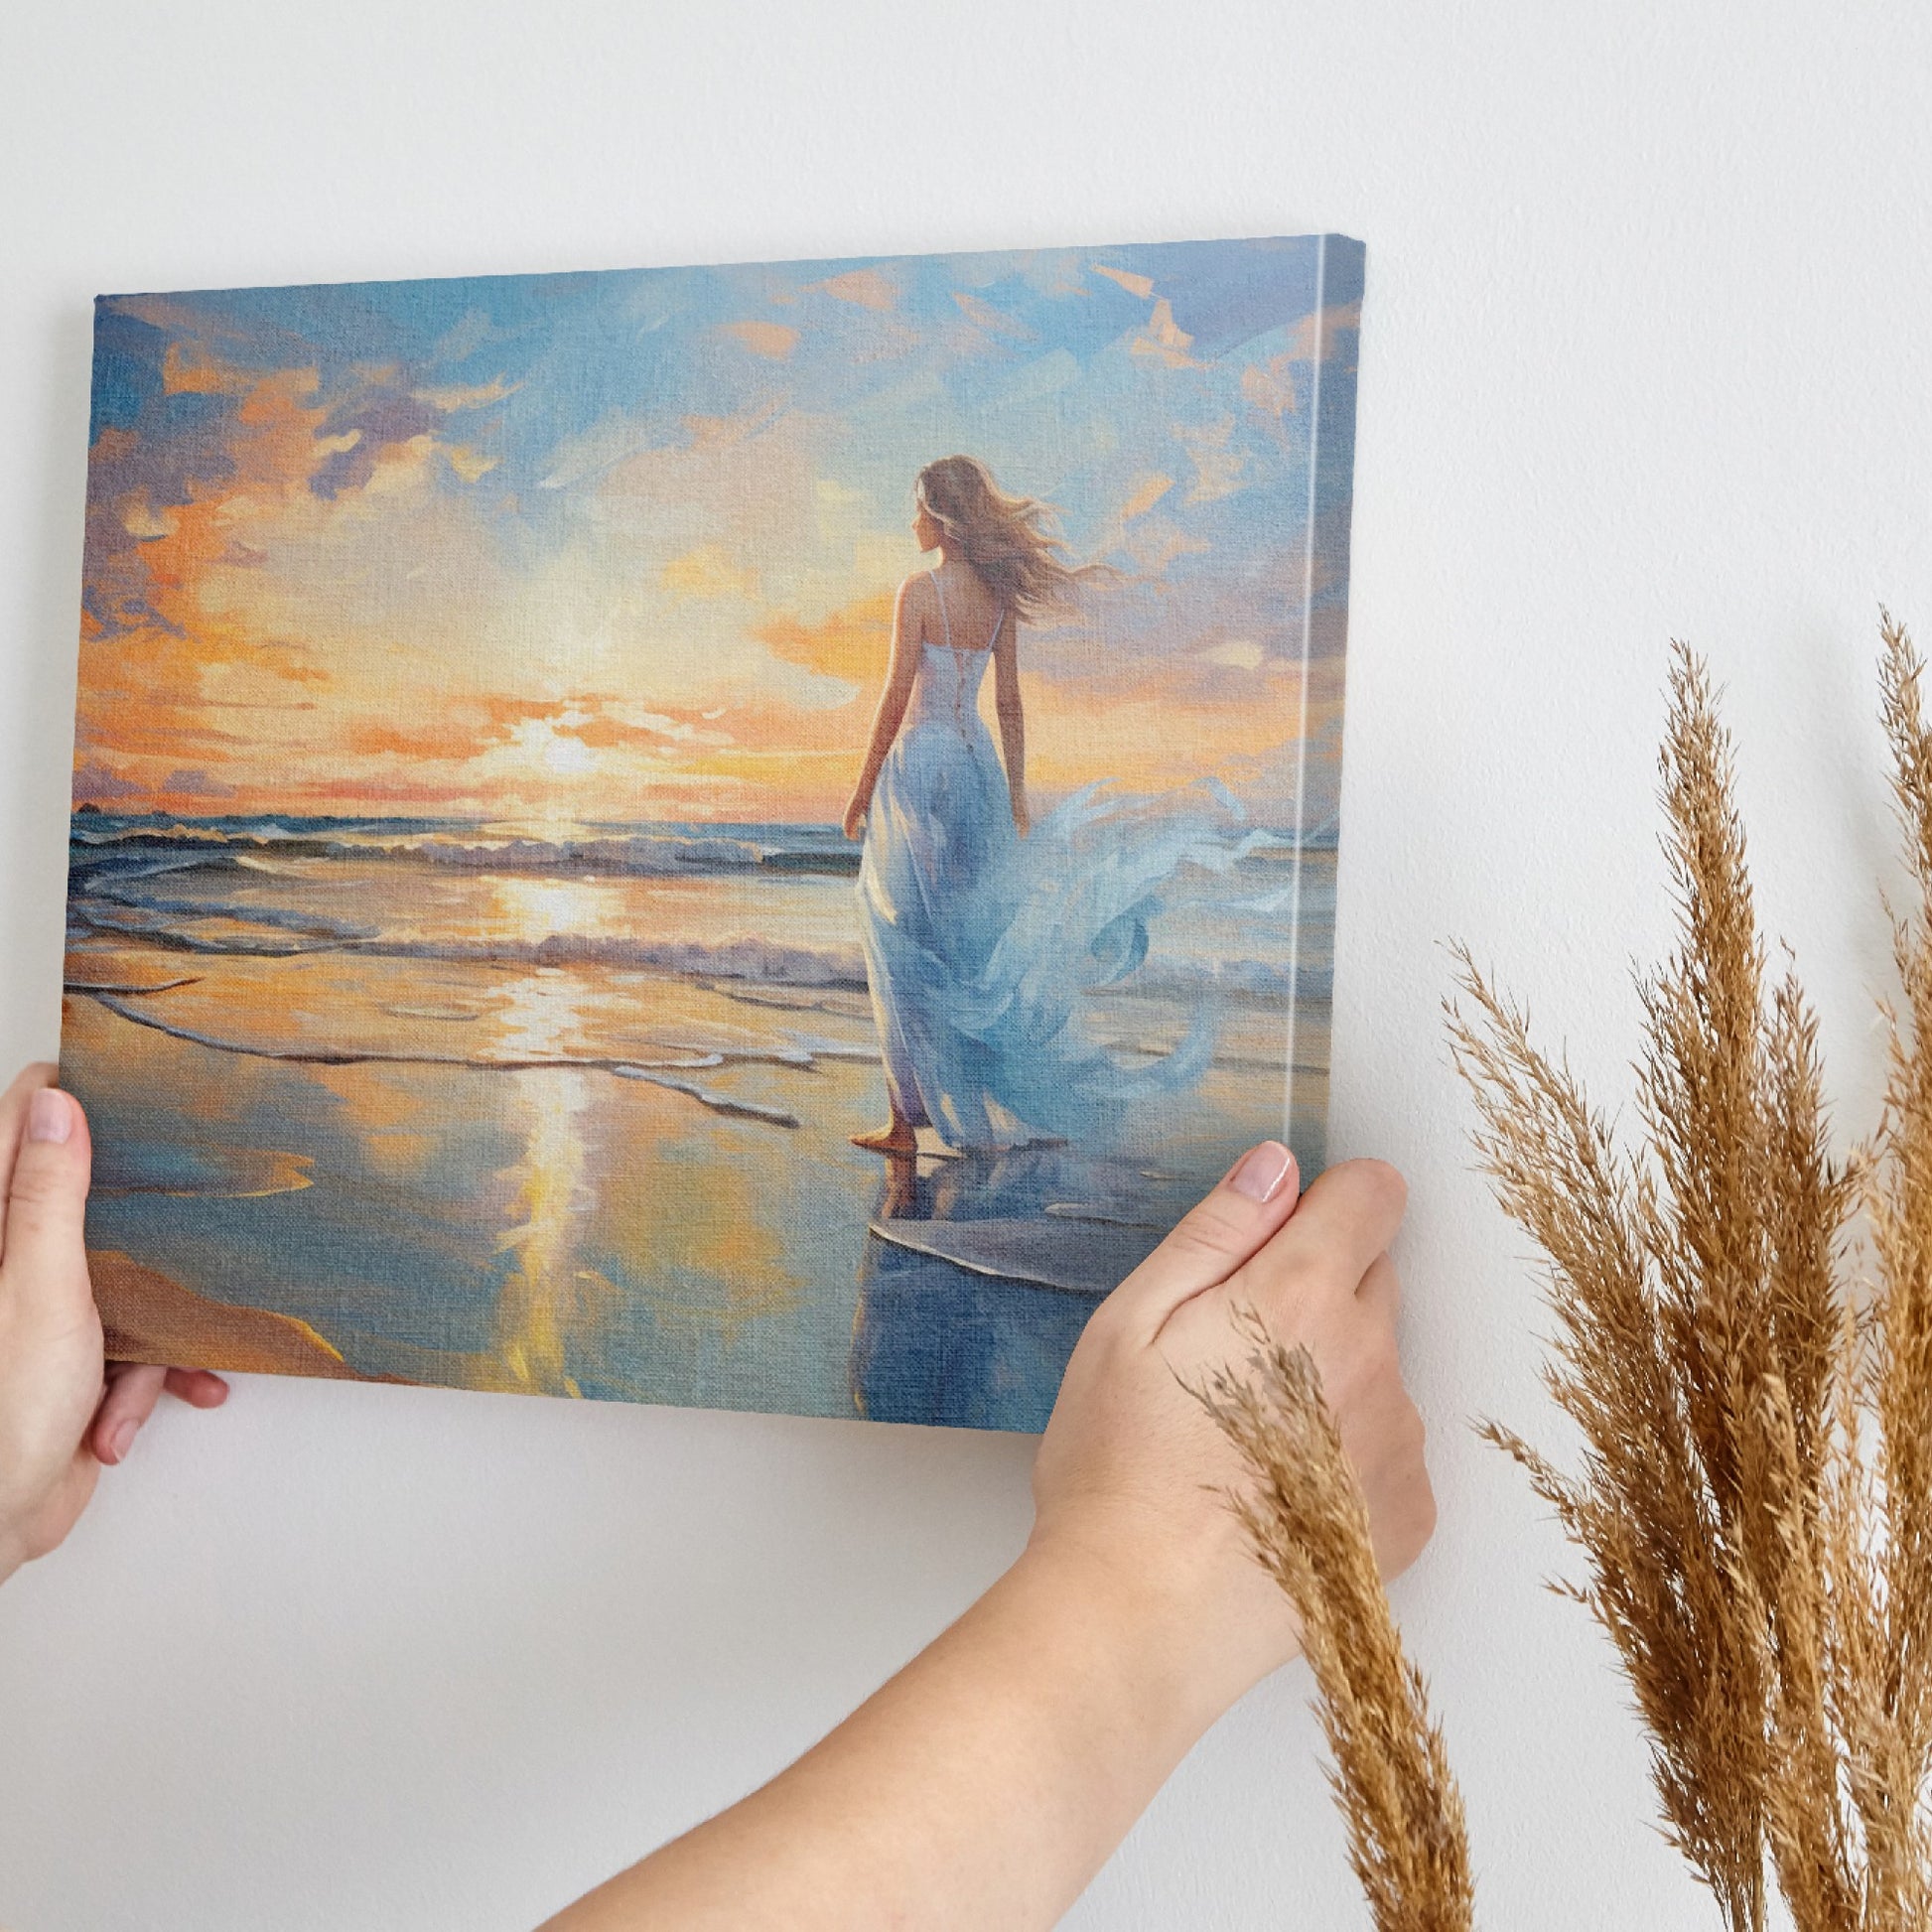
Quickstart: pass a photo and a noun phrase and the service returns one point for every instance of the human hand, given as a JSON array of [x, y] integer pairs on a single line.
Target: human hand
[[1021, 819], [854, 823], [1041, 1722], [64, 1410], [1131, 1474]]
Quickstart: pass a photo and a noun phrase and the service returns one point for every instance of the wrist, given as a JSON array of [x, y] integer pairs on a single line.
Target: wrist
[[1166, 1644]]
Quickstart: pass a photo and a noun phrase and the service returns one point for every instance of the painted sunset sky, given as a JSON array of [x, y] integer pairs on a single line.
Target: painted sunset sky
[[623, 545]]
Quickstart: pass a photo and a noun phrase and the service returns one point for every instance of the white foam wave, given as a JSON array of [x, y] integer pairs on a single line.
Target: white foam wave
[[651, 851]]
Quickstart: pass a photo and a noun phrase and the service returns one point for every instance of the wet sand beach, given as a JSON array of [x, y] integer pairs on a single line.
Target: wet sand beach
[[545, 1168]]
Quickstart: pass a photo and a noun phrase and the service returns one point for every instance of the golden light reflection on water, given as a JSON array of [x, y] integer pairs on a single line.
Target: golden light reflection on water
[[532, 909], [683, 1209], [609, 1215], [537, 1013], [547, 1301]]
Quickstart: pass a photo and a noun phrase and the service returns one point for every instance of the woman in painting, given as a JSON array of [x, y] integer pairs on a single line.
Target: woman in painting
[[979, 946]]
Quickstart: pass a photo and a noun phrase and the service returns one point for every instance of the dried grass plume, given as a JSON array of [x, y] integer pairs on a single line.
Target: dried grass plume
[[1754, 1497], [1754, 1391], [1306, 1519]]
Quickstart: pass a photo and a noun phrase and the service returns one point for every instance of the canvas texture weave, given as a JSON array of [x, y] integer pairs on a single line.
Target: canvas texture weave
[[484, 947]]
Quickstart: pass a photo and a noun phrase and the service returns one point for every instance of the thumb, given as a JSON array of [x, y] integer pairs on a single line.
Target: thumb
[[1234, 1223], [44, 1254]]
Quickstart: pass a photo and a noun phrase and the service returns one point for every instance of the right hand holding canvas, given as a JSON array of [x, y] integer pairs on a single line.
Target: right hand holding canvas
[[64, 1411], [1132, 1472], [985, 1784]]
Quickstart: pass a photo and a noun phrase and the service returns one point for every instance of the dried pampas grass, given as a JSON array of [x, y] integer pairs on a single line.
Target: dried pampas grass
[[1754, 1492], [1753, 1498], [1309, 1524]]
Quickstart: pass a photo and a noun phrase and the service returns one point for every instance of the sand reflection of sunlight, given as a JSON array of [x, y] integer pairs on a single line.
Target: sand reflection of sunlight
[[537, 1013], [549, 1307]]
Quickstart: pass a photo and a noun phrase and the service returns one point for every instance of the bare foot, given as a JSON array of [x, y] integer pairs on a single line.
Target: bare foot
[[894, 1139]]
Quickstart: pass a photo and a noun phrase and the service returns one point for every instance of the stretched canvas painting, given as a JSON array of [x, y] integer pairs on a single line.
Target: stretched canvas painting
[[745, 836]]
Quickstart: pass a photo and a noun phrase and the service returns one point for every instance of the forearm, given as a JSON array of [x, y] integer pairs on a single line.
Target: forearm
[[984, 1785], [1012, 745], [885, 728]]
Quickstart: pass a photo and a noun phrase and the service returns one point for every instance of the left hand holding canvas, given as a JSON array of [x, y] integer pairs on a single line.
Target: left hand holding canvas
[[64, 1411]]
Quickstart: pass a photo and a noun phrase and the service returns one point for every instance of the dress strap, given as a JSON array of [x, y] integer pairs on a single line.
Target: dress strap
[[944, 616]]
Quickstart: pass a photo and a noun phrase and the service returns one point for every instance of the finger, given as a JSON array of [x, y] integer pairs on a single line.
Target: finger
[[13, 1121], [200, 1388], [45, 1254], [132, 1391], [1255, 1196], [1349, 1214]]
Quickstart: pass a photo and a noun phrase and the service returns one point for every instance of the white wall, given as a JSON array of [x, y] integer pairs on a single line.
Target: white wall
[[1645, 354]]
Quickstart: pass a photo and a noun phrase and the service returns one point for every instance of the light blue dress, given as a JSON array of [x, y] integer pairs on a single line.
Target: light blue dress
[[980, 945]]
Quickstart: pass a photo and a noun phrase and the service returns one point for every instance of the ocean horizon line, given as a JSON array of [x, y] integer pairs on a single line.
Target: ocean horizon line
[[560, 830]]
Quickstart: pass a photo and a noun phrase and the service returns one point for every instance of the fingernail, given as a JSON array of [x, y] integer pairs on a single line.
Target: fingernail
[[50, 1115], [1262, 1172], [122, 1439]]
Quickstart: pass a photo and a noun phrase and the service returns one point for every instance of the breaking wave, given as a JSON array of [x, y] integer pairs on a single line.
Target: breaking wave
[[651, 851]]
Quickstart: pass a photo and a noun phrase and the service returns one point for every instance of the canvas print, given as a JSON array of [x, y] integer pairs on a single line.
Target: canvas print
[[745, 836]]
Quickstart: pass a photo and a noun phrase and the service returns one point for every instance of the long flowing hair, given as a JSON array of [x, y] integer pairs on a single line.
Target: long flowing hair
[[1013, 542]]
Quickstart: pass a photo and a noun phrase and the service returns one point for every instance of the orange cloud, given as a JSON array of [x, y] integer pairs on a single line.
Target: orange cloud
[[1148, 490], [462, 728], [869, 288], [1315, 333], [453, 398], [188, 370], [773, 339], [156, 648], [1185, 721], [1218, 469], [468, 463], [852, 644], [706, 572], [1270, 385], [1164, 338], [985, 316]]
